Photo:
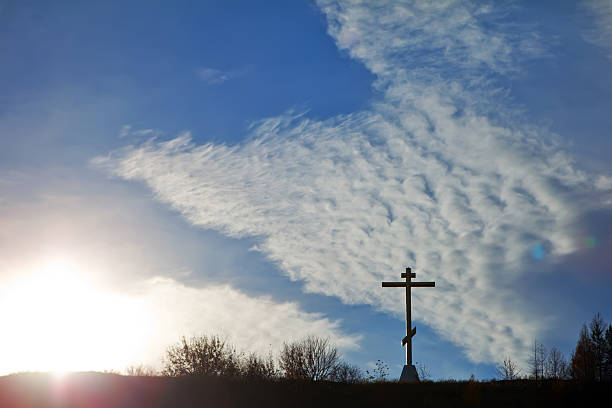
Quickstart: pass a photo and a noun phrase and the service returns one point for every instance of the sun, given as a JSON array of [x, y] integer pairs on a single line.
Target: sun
[[58, 319]]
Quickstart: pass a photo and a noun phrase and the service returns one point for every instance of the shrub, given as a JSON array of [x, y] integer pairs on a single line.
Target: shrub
[[347, 373], [378, 374], [141, 371], [255, 367], [508, 370], [201, 355]]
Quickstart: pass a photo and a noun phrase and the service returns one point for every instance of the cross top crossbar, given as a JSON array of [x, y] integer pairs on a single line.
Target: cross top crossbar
[[408, 284]]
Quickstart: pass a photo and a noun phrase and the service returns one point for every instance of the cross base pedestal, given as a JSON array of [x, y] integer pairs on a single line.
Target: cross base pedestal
[[409, 374]]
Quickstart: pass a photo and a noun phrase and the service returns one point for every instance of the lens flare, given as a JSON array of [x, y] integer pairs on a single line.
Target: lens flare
[[590, 242], [537, 252]]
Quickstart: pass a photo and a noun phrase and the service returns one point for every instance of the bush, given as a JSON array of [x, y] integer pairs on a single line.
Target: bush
[[201, 355], [378, 374], [254, 367], [508, 370], [312, 358], [347, 373], [141, 371]]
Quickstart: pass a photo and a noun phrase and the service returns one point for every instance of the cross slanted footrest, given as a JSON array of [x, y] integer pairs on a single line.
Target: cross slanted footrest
[[405, 339]]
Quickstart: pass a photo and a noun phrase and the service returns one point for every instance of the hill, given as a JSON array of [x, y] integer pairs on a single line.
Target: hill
[[112, 390]]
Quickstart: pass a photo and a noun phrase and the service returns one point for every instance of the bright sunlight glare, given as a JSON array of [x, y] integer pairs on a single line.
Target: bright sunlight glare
[[57, 319]]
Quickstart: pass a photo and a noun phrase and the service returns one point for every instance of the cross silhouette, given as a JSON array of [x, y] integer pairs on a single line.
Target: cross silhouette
[[410, 331]]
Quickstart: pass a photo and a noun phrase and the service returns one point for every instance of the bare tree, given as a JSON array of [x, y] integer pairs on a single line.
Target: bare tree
[[312, 358], [508, 370], [201, 355], [292, 360], [537, 362], [555, 365]]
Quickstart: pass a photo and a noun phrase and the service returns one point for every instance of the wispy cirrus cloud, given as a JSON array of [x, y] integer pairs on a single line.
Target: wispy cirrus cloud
[[425, 178], [212, 76], [127, 131], [601, 32], [460, 39]]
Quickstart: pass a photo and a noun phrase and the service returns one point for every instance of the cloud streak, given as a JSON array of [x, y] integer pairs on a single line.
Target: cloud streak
[[428, 177], [212, 76], [601, 33], [127, 131]]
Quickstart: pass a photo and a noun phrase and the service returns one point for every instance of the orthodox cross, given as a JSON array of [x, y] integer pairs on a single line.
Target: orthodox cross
[[410, 331]]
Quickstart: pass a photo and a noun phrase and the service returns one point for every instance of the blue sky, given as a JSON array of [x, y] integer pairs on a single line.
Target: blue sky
[[288, 156]]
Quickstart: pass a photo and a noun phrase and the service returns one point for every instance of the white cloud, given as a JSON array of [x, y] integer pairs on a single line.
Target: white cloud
[[137, 328], [424, 179], [256, 324], [394, 37], [601, 33], [125, 131]]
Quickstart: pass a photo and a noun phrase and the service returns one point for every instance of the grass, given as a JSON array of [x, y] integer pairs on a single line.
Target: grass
[[113, 390]]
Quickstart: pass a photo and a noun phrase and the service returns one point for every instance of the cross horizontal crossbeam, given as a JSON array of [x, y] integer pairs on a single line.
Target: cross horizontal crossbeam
[[412, 284]]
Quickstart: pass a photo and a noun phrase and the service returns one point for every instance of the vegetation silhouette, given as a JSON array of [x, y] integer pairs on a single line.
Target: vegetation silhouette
[[312, 358], [592, 357], [112, 390], [316, 359], [201, 355], [207, 371], [508, 370], [378, 374]]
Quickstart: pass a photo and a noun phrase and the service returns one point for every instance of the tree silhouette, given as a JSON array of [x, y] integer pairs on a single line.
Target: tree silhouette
[[583, 358], [598, 341], [555, 365], [312, 358], [537, 361], [347, 373], [608, 355], [508, 370], [201, 355], [254, 367]]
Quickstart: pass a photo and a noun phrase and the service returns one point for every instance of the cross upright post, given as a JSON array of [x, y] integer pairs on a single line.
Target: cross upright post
[[408, 338], [409, 372]]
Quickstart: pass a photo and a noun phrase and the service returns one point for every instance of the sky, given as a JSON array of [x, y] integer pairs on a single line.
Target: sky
[[255, 170]]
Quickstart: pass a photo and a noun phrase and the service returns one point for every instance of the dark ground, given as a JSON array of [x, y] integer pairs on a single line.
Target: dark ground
[[112, 390]]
